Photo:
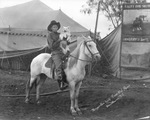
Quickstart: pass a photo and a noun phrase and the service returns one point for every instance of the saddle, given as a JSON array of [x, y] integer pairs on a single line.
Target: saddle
[[50, 64]]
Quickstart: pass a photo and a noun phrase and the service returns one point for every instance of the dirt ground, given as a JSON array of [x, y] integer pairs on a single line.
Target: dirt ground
[[134, 102]]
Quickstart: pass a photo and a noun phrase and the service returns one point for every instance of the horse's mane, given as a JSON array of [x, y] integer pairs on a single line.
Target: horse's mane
[[75, 55]]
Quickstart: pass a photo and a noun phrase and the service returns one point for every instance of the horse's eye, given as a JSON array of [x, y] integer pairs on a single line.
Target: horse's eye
[[90, 45]]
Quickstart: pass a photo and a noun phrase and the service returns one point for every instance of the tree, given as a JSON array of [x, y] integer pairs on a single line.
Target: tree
[[112, 9]]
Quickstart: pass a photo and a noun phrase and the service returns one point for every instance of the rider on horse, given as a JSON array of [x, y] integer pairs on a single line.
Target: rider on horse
[[56, 51]]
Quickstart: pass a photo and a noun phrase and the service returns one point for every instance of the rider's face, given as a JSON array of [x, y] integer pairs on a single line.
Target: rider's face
[[54, 28]]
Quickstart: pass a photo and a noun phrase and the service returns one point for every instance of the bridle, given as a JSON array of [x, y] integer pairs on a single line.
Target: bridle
[[85, 43]]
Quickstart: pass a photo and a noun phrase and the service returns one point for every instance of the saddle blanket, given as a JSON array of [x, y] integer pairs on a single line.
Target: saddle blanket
[[48, 64]]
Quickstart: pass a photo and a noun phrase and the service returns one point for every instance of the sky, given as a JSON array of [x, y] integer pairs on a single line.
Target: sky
[[72, 9]]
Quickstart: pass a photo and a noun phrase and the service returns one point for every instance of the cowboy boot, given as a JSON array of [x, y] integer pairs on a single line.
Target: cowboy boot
[[61, 83]]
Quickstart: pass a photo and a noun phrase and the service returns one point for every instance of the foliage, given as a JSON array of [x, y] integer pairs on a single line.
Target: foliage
[[112, 9]]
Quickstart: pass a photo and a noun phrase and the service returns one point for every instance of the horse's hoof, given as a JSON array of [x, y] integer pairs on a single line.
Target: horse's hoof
[[38, 102], [27, 101], [74, 113], [79, 112]]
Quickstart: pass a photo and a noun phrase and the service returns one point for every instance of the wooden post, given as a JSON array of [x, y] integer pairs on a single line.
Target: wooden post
[[90, 65], [96, 21]]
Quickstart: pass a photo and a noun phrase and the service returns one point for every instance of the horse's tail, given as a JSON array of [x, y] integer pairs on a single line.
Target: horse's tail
[[28, 87]]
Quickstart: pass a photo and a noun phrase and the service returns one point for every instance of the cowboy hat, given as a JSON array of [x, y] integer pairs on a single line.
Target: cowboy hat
[[53, 22]]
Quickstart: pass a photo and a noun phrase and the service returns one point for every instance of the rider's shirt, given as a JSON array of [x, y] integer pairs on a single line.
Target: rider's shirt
[[54, 41]]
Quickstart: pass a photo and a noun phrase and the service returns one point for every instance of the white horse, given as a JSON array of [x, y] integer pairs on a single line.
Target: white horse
[[83, 54]]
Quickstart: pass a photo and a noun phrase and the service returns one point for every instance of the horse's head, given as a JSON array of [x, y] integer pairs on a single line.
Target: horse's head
[[91, 49]]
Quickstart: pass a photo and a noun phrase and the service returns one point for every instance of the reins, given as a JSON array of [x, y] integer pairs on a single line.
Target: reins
[[89, 51], [79, 59]]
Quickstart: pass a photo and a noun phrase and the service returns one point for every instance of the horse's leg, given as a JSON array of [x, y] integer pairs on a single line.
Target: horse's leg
[[72, 98], [29, 86], [41, 79], [27, 91], [78, 85]]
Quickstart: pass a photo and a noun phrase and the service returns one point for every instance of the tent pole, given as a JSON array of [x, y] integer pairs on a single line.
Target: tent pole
[[96, 21], [90, 65], [120, 70]]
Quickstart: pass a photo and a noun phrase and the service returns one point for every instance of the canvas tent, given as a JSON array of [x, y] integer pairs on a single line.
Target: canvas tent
[[12, 16], [37, 15], [18, 47], [109, 48], [17, 41]]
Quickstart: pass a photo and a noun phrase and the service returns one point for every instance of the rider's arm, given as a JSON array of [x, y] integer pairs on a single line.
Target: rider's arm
[[52, 43], [56, 44], [49, 41]]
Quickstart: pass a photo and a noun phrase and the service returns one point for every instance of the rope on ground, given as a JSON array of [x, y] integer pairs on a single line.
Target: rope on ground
[[51, 93], [85, 87]]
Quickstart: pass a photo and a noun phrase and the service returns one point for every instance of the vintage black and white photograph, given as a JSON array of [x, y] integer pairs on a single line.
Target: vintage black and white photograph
[[74, 59]]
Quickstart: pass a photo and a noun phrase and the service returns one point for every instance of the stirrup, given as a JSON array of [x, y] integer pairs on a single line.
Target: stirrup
[[62, 85]]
